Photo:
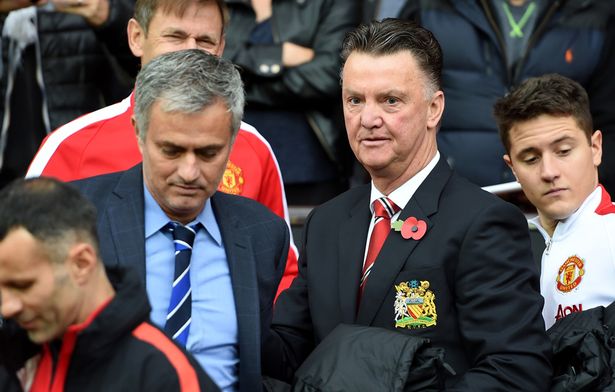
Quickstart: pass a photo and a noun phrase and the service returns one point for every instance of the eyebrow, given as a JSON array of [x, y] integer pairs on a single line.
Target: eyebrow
[[553, 143]]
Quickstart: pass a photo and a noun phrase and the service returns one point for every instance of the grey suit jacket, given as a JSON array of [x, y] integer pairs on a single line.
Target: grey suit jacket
[[256, 243]]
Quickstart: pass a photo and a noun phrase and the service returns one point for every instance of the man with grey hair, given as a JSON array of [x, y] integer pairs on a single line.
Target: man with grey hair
[[420, 251], [215, 301]]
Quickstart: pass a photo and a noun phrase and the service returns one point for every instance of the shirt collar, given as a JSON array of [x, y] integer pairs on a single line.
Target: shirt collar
[[566, 225], [402, 195], [156, 219]]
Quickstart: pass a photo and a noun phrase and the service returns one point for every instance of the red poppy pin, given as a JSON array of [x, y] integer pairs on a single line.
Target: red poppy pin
[[410, 228]]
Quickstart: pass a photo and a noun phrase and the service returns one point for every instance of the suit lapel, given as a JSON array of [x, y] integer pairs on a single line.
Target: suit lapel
[[126, 220], [242, 265], [351, 255], [396, 250]]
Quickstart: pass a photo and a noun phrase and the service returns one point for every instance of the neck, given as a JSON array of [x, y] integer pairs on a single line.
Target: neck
[[517, 3], [548, 224], [98, 292], [386, 181]]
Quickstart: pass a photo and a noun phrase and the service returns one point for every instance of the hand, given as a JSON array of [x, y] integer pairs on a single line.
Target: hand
[[95, 12], [11, 5], [294, 55], [262, 9]]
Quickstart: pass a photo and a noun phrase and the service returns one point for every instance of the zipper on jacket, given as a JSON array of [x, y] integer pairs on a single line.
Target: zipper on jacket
[[533, 38], [548, 246], [498, 33]]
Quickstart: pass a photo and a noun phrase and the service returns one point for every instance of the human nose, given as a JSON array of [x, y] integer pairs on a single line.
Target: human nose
[[9, 305], [371, 116], [549, 170], [190, 43], [188, 169]]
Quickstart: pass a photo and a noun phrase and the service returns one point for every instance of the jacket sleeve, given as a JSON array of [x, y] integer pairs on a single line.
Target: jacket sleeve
[[290, 339], [497, 285], [315, 80], [113, 35]]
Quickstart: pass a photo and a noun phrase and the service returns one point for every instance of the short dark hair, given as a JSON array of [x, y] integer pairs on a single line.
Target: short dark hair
[[145, 10], [48, 209], [550, 94], [391, 36]]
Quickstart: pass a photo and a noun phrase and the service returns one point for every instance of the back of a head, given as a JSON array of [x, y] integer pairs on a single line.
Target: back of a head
[[145, 9], [390, 36], [188, 81], [550, 94], [47, 208]]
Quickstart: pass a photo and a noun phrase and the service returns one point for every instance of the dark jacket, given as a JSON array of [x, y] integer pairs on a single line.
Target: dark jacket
[[314, 86], [574, 38], [118, 350], [359, 358], [584, 351], [77, 72]]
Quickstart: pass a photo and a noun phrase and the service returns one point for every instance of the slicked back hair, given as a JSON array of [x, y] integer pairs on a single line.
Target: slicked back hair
[[53, 212], [188, 81], [550, 94], [391, 36]]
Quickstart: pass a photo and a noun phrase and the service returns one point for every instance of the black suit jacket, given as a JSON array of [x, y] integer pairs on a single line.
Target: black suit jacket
[[255, 240], [476, 257]]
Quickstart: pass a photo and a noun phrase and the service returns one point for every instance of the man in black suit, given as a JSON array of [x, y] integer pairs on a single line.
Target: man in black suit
[[456, 265], [188, 108]]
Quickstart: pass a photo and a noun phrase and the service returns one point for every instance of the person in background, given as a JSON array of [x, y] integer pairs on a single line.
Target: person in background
[[104, 141], [419, 250], [288, 52], [65, 327], [216, 300], [381, 9], [59, 59], [492, 46], [554, 152]]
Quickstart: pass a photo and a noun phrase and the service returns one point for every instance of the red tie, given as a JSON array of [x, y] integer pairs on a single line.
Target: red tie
[[384, 209]]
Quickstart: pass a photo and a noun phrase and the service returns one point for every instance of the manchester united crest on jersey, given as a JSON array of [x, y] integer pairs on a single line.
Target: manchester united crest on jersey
[[415, 305], [570, 274], [232, 180]]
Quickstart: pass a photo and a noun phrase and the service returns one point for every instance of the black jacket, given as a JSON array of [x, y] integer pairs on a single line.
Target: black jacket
[[575, 38], [584, 351], [314, 86], [119, 350], [77, 72]]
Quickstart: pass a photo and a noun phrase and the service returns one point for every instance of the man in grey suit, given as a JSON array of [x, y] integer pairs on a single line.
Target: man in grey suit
[[188, 108]]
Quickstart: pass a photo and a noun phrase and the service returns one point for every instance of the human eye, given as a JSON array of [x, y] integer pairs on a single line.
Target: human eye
[[208, 153], [353, 101], [169, 151], [564, 151], [530, 159], [21, 285], [391, 100]]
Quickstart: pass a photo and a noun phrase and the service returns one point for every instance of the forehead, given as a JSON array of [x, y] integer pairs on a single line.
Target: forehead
[[212, 124], [203, 17], [544, 131], [21, 255], [376, 72]]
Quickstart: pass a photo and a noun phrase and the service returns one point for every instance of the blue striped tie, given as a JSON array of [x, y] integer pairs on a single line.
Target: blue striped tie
[[180, 307]]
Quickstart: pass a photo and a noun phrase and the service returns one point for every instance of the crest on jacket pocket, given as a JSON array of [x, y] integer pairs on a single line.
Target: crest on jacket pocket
[[415, 305]]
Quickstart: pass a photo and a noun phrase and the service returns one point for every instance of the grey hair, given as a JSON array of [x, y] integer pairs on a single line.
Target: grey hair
[[187, 81], [391, 36]]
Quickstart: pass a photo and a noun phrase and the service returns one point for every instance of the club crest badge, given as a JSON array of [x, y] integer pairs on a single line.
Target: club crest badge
[[570, 274], [415, 305], [232, 180]]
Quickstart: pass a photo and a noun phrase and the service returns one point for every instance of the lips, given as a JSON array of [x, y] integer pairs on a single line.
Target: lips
[[554, 191]]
